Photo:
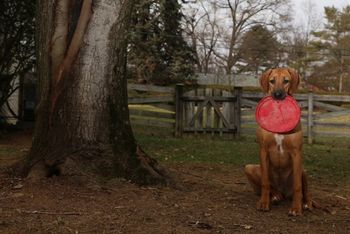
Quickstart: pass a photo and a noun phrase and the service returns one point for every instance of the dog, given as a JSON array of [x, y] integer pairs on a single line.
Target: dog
[[280, 174]]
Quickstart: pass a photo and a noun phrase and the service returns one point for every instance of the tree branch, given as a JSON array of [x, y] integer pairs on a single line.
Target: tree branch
[[58, 78], [59, 38]]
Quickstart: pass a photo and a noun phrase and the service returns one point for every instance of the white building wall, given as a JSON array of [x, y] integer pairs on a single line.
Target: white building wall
[[14, 105]]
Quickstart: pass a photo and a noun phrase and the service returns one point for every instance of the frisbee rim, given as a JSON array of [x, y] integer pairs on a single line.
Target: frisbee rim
[[290, 100]]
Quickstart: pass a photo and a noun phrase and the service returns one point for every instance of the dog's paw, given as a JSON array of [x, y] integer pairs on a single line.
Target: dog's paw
[[308, 206], [308, 203], [295, 211], [263, 205]]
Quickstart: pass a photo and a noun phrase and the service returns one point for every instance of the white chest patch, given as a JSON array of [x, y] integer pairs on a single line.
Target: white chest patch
[[279, 142]]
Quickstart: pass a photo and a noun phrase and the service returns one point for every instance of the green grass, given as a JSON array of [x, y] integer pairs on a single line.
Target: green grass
[[199, 150], [338, 119], [148, 108], [327, 159]]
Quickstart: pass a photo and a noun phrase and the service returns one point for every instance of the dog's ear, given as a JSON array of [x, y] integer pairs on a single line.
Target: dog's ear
[[294, 82], [264, 80]]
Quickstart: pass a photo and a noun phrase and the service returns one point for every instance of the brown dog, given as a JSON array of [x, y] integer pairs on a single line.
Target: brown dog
[[280, 174]]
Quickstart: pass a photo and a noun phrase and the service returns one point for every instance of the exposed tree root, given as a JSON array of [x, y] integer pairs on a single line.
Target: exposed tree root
[[150, 172], [87, 166], [37, 172]]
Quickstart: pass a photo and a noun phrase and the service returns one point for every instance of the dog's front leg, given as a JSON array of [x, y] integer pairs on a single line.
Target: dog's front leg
[[264, 202], [296, 208]]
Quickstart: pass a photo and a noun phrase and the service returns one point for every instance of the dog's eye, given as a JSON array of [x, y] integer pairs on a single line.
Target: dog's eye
[[272, 81], [285, 81]]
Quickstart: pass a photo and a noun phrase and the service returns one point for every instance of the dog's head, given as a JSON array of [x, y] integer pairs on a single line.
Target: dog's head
[[279, 82]]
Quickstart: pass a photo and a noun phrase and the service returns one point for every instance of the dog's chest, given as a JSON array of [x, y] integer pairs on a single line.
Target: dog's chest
[[279, 142], [278, 151]]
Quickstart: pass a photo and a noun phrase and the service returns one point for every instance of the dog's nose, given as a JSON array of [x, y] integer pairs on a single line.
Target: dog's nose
[[279, 94]]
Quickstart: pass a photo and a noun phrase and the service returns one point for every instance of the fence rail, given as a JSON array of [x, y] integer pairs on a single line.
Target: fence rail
[[150, 100], [151, 88], [322, 115], [154, 111]]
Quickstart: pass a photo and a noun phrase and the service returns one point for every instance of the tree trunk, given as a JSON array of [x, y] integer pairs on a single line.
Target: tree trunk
[[83, 122]]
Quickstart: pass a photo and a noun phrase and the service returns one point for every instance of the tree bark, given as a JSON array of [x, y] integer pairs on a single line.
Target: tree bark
[[83, 125]]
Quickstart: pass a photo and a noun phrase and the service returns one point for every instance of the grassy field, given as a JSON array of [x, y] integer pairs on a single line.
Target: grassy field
[[328, 159]]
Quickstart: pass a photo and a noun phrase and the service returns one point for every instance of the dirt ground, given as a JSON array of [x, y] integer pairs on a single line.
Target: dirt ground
[[210, 199]]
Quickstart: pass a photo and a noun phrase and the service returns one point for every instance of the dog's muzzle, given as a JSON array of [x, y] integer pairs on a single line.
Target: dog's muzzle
[[279, 94]]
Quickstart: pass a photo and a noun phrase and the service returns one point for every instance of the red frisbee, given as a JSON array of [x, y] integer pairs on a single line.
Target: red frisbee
[[278, 116]]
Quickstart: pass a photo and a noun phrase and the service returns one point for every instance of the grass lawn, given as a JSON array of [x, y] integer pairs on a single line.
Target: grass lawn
[[328, 159]]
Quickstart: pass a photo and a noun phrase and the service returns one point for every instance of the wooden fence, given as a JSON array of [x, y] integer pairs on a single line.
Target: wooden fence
[[186, 109], [155, 108], [322, 115]]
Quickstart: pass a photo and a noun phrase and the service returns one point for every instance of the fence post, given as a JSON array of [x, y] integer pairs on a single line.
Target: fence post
[[178, 110], [310, 110], [237, 91]]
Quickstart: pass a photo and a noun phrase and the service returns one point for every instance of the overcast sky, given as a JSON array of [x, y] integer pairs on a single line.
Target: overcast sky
[[322, 3], [319, 5]]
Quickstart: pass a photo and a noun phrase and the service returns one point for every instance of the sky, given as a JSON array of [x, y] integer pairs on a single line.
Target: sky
[[299, 5], [322, 3]]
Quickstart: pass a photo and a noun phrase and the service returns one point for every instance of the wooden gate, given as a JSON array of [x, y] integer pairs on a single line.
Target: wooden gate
[[203, 110]]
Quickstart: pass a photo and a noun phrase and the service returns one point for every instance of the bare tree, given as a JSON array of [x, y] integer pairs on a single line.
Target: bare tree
[[203, 30], [83, 125], [298, 39], [191, 24], [242, 15], [312, 19]]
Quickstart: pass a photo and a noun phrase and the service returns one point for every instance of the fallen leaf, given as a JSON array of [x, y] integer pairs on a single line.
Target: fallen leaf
[[18, 186], [16, 195], [247, 227], [200, 225]]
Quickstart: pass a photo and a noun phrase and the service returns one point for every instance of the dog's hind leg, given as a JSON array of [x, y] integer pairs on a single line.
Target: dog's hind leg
[[253, 173]]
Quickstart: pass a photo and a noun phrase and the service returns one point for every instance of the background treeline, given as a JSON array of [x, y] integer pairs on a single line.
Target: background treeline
[[170, 41]]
